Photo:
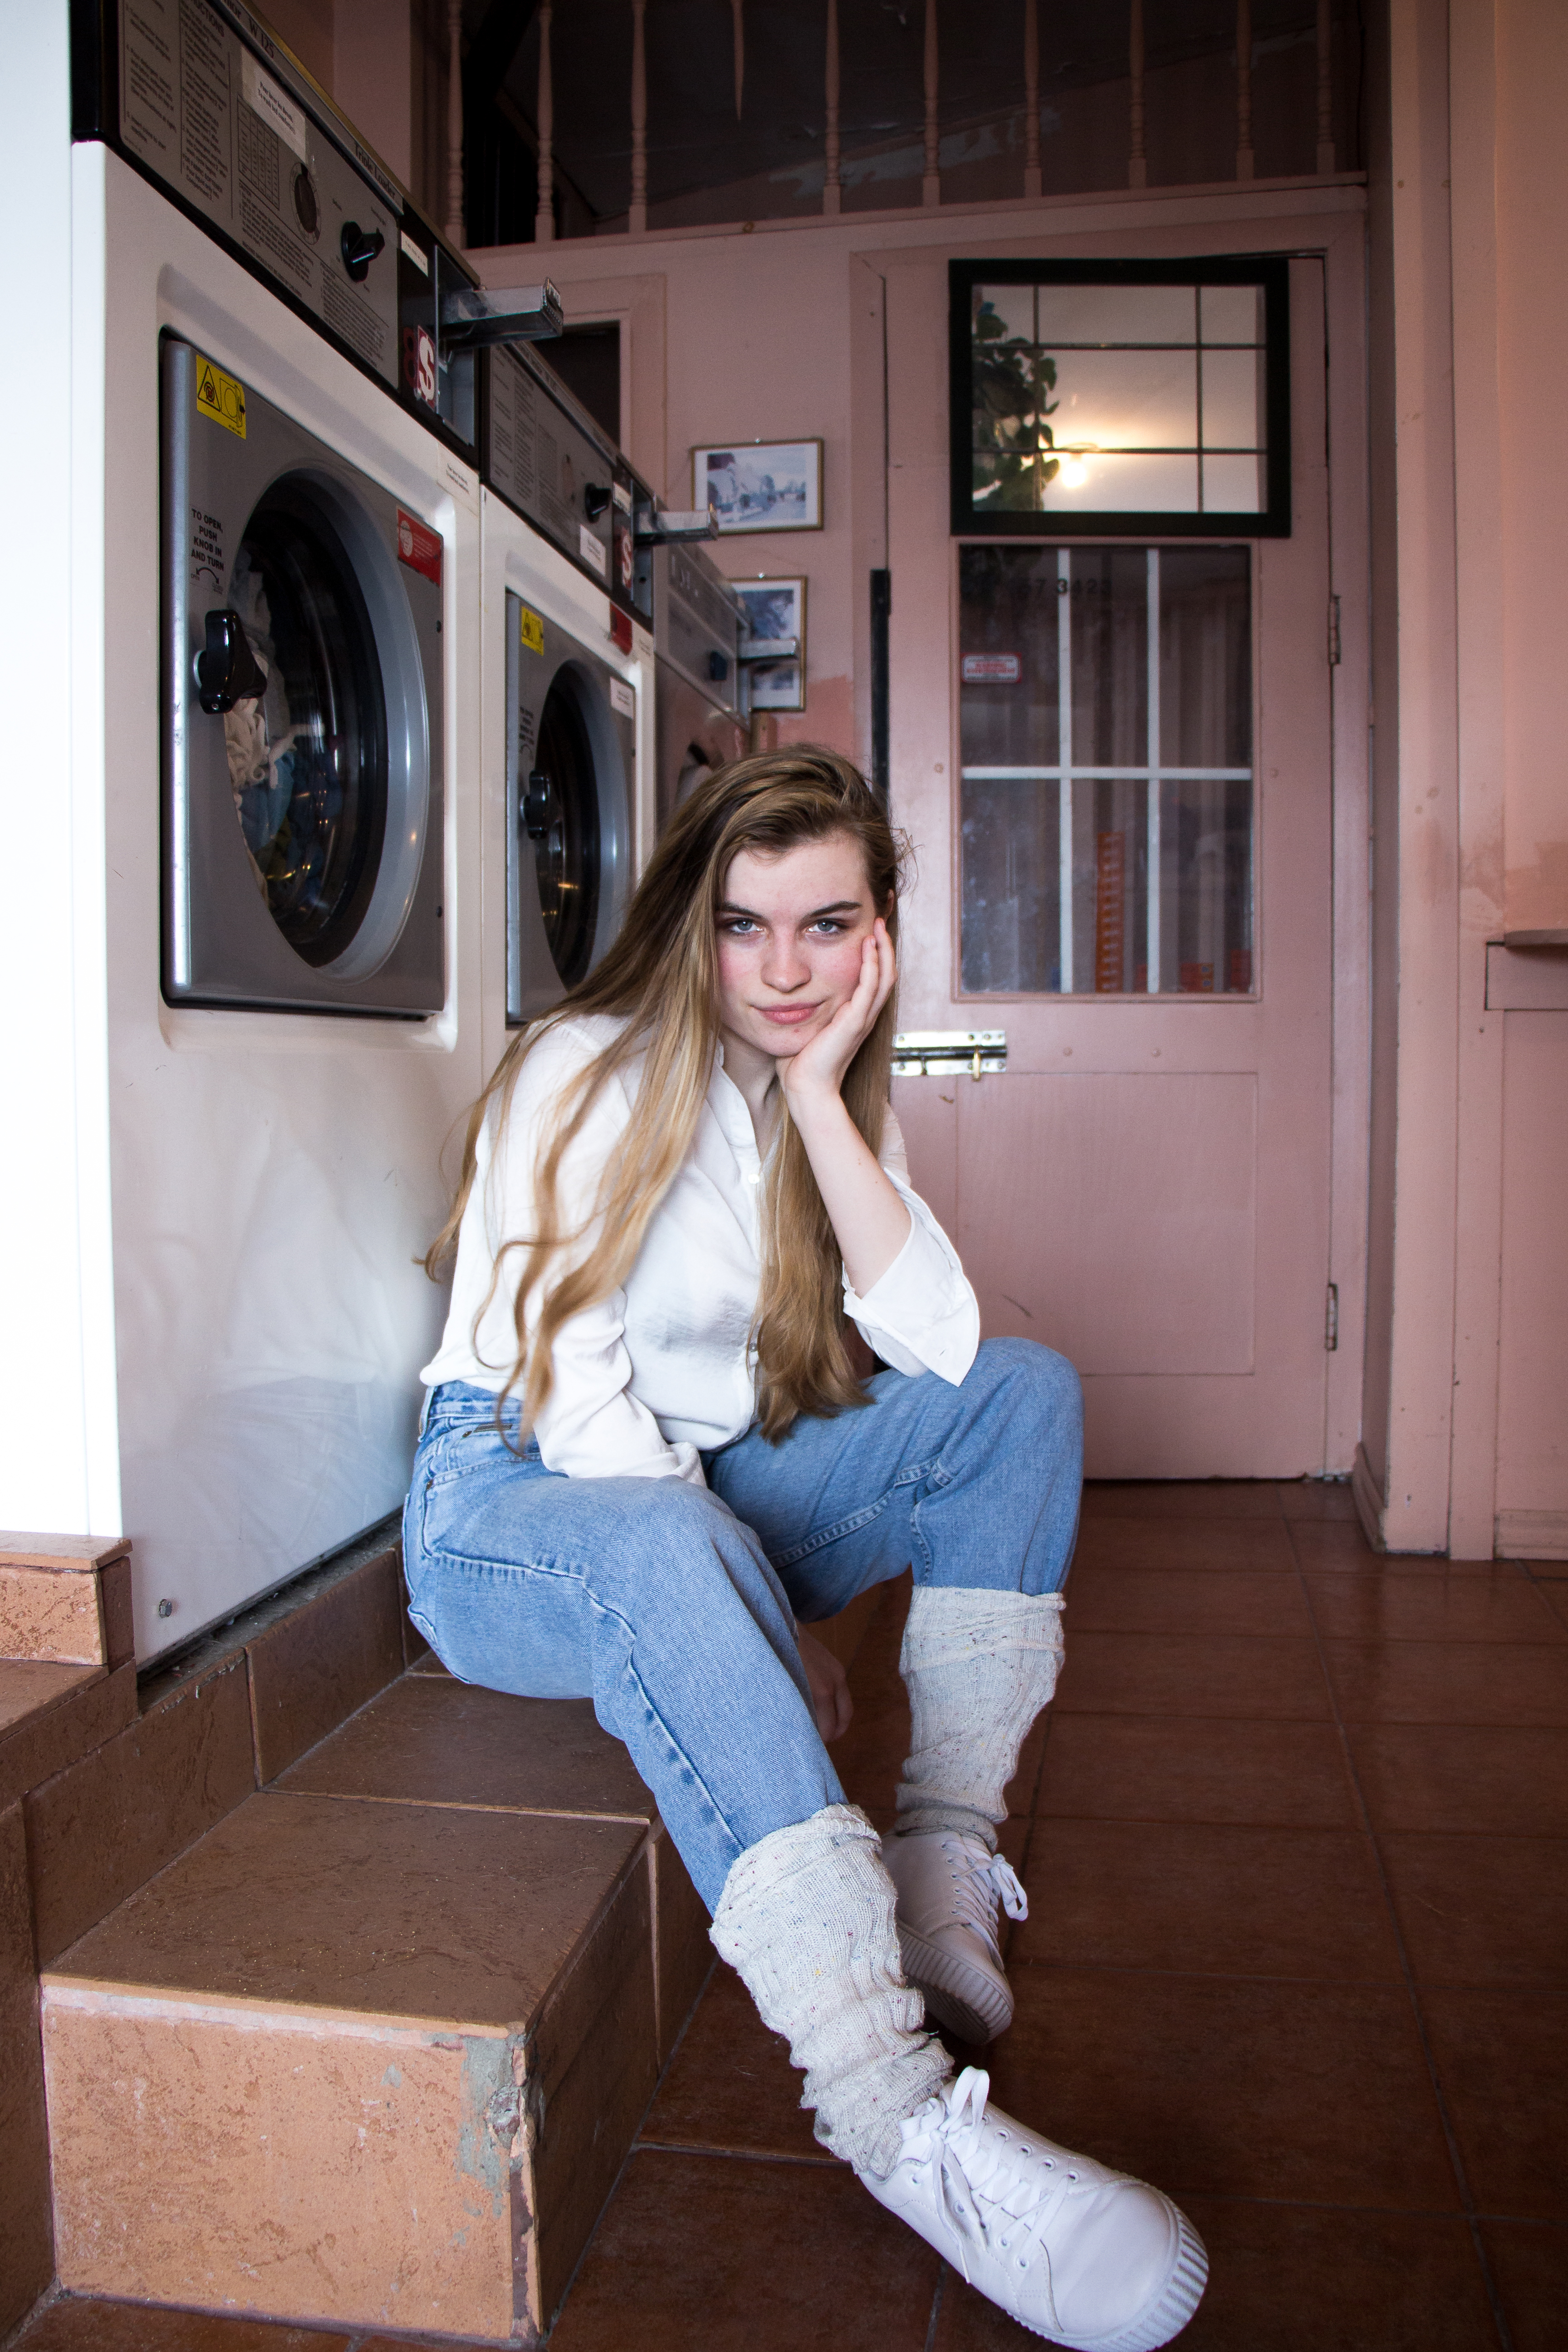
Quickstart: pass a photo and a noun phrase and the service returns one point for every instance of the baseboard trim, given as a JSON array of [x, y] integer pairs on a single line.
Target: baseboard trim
[[1367, 1497], [1531, 1535]]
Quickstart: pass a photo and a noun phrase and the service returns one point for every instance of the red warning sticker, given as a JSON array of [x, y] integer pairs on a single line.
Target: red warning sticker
[[419, 546], [992, 670]]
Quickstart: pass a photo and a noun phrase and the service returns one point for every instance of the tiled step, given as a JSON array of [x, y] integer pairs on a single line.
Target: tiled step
[[371, 2053], [66, 1599]]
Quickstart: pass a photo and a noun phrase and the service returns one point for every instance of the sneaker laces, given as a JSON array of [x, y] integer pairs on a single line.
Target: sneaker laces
[[990, 2198], [981, 1881]]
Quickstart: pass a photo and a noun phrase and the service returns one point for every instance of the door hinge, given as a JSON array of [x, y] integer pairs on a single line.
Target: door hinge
[[1331, 1318], [1333, 630]]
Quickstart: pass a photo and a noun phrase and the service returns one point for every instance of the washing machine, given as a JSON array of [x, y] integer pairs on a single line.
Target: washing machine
[[262, 663], [699, 638], [567, 702]]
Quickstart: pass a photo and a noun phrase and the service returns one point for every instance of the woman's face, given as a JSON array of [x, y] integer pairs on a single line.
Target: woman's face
[[791, 928]]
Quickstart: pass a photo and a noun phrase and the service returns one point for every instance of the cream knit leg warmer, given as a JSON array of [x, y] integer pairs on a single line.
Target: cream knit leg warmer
[[806, 1917], [979, 1666]]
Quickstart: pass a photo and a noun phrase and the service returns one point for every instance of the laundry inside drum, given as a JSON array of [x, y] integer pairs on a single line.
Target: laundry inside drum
[[308, 756]]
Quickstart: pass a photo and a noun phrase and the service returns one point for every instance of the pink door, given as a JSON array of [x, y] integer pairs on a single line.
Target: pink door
[[1137, 813]]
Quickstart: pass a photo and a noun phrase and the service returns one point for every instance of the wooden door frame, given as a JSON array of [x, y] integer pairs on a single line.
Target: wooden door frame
[[1258, 223]]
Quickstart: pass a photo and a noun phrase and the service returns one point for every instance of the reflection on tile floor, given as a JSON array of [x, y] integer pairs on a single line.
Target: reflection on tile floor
[[1296, 1844]]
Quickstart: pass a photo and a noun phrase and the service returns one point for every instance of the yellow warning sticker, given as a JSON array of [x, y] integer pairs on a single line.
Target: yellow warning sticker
[[530, 627], [220, 397]]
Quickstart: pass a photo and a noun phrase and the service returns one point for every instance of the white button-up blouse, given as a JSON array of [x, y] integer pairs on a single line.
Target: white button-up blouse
[[663, 1369]]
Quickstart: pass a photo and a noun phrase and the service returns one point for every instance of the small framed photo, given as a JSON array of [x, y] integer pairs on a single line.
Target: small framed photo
[[775, 609], [760, 485]]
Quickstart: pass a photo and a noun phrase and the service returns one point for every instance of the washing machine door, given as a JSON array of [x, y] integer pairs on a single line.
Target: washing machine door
[[302, 715], [571, 754], [696, 735]]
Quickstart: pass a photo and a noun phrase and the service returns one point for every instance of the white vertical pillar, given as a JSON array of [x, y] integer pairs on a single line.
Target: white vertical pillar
[[1151, 945], [1325, 85], [931, 183], [637, 216], [1064, 761], [1244, 90], [455, 122], [1137, 164], [1031, 100], [544, 218], [832, 195]]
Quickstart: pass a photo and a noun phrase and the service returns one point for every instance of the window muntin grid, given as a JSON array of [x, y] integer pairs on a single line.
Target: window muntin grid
[[1120, 399], [1070, 801], [1130, 399]]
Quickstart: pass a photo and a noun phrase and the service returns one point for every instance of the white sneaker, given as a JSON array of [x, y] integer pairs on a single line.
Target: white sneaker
[[1079, 2254], [949, 1887]]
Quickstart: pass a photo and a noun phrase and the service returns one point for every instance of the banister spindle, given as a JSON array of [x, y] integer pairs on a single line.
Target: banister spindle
[[455, 225], [931, 183], [545, 217], [1325, 85], [636, 217], [1137, 163], [1031, 100], [1244, 90], [832, 193]]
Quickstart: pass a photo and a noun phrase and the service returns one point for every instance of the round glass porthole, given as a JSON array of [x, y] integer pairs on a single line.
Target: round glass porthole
[[308, 755], [560, 813]]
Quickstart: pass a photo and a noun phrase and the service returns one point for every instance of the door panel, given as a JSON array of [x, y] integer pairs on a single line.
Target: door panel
[[1147, 1187]]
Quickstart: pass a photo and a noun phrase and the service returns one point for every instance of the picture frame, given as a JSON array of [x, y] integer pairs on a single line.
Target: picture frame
[[757, 485], [775, 608]]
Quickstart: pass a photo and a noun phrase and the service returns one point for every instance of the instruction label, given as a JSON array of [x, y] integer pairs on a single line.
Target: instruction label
[[530, 628], [622, 699], [418, 546], [220, 397]]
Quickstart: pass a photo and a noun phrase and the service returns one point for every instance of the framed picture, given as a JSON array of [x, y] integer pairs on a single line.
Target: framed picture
[[760, 485], [775, 608]]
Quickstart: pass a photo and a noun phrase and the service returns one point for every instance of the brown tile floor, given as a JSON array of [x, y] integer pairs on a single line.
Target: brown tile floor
[[1296, 1841]]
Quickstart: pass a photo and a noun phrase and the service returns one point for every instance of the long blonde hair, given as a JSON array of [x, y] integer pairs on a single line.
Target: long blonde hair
[[661, 978]]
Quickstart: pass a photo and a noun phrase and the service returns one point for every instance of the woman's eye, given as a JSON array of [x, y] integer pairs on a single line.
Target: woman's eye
[[741, 926], [830, 925]]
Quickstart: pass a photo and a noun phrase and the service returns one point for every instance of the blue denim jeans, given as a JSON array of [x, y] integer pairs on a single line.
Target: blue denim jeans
[[673, 1609]]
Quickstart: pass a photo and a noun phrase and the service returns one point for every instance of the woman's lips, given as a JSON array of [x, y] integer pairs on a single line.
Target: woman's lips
[[788, 1016]]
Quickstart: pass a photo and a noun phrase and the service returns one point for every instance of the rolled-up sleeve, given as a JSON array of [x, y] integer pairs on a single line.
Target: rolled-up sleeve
[[921, 1315]]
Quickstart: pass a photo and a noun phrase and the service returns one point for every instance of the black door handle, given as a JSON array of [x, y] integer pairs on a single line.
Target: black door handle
[[227, 669], [596, 496], [360, 247], [536, 805]]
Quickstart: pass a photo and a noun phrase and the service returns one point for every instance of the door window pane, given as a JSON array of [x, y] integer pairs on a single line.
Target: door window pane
[[1145, 390], [1072, 802]]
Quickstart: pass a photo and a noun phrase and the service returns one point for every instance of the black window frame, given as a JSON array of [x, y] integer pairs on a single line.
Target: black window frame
[[1268, 271]]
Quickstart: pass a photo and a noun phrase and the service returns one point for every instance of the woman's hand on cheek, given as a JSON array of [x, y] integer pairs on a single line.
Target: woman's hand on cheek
[[818, 1068], [829, 1686]]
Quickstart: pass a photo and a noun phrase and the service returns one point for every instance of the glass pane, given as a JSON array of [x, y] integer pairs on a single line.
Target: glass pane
[[1114, 485], [1205, 657], [1003, 313], [307, 756], [1233, 400], [1116, 314], [1128, 400], [1110, 596], [1234, 486], [1012, 866], [1007, 646], [1231, 314], [1064, 817]]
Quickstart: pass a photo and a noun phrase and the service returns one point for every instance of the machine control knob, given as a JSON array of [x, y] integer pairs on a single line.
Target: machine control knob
[[227, 669], [536, 802], [717, 668], [596, 496], [360, 247]]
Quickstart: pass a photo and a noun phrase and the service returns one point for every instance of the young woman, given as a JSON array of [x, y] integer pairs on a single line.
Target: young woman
[[646, 1459]]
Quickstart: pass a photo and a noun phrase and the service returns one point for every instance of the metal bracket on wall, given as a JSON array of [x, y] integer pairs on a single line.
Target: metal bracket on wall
[[949, 1052]]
